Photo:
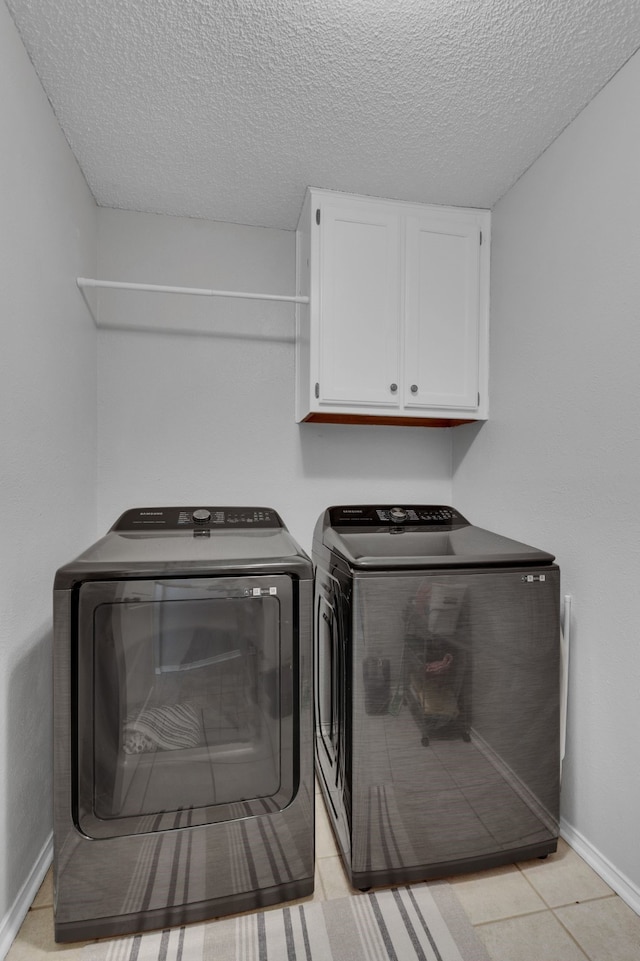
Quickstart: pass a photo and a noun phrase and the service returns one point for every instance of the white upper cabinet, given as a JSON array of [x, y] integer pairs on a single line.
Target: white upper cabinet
[[442, 311], [359, 346], [396, 330]]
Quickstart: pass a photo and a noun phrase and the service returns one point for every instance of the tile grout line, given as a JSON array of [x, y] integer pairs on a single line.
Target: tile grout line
[[532, 886], [551, 909], [567, 904], [573, 938], [570, 904], [547, 910], [606, 897], [512, 917], [530, 914]]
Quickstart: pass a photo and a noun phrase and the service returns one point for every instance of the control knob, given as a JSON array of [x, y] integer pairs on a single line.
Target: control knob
[[397, 515], [201, 516]]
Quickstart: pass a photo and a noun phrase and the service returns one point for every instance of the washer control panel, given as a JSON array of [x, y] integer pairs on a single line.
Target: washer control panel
[[425, 516], [198, 518]]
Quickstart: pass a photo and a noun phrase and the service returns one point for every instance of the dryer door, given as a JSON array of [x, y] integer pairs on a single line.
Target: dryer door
[[185, 691]]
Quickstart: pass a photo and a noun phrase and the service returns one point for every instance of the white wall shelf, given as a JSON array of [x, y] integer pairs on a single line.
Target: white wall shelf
[[85, 283]]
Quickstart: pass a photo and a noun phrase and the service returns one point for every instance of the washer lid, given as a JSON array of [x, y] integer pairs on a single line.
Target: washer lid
[[377, 538]]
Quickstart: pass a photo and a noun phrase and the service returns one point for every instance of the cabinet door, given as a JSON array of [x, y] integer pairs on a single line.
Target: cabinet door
[[442, 312], [359, 339]]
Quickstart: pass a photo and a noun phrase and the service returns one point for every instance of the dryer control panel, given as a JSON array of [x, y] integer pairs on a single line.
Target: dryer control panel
[[372, 517], [197, 518]]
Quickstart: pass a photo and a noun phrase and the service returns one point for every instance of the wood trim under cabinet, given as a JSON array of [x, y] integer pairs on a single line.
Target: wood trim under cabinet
[[325, 418]]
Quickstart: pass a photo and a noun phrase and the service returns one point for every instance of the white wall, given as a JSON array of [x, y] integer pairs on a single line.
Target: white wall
[[208, 417], [558, 463], [47, 443]]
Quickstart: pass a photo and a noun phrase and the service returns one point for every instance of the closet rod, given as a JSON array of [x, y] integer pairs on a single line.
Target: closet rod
[[83, 282]]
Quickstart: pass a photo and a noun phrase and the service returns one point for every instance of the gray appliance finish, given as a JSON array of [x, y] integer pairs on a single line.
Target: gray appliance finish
[[183, 724], [437, 661]]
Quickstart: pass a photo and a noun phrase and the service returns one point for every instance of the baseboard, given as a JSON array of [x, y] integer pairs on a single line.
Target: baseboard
[[626, 889], [12, 921]]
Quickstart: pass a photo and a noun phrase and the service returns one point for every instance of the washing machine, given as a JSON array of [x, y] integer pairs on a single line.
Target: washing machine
[[183, 744], [437, 673]]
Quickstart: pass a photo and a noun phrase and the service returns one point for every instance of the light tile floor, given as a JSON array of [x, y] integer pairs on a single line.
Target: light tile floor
[[552, 910]]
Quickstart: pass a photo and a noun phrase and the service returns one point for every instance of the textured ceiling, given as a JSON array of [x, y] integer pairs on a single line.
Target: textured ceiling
[[227, 109]]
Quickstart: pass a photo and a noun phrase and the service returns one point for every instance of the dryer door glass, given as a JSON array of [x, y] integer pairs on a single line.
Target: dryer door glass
[[185, 691]]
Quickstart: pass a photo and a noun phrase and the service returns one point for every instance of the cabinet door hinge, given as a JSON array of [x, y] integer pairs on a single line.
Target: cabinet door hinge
[[317, 390], [318, 216]]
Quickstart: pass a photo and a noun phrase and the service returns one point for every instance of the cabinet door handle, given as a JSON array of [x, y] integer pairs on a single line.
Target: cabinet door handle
[[393, 388], [414, 388]]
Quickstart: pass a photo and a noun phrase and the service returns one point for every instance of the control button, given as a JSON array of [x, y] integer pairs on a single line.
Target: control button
[[201, 516], [397, 515]]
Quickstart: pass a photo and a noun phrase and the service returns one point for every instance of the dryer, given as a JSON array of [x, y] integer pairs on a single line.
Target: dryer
[[183, 747], [437, 660]]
